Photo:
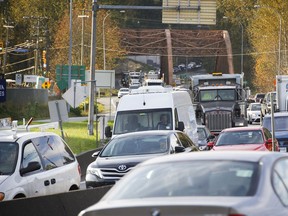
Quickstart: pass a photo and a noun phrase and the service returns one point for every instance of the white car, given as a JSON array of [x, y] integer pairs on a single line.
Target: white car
[[36, 164], [123, 91], [253, 112]]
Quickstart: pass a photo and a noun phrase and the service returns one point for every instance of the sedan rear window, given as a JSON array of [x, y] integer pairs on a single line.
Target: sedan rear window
[[194, 178], [281, 123]]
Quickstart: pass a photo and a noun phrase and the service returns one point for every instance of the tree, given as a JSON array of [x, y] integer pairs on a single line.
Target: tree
[[264, 32], [112, 40]]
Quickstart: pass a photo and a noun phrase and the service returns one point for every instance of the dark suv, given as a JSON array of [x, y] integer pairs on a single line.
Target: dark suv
[[281, 128]]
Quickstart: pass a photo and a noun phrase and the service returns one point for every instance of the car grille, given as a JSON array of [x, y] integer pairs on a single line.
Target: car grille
[[218, 120], [113, 173]]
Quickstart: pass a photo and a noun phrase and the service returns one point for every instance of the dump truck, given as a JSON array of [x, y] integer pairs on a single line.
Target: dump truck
[[220, 100]]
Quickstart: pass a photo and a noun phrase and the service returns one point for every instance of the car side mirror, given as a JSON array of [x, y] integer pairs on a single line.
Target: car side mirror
[[32, 166], [95, 154], [108, 132], [181, 126], [179, 149], [210, 145]]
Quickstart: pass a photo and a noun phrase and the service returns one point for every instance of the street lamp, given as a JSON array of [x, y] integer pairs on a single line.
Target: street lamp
[[82, 37], [280, 30], [104, 46], [242, 31], [6, 45]]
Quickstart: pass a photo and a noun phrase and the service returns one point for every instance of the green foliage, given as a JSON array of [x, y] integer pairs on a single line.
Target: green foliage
[[29, 110], [77, 137]]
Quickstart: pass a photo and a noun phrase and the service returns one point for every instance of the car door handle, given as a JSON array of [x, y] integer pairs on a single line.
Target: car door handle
[[46, 183], [53, 181]]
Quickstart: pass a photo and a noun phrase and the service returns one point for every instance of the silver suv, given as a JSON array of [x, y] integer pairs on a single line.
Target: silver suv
[[36, 164]]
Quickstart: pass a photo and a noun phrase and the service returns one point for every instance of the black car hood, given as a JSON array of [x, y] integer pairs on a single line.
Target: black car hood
[[218, 105], [115, 162]]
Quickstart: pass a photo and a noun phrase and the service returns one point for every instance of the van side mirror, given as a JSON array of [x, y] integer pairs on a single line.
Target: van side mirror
[[108, 132], [181, 126], [179, 149], [32, 166]]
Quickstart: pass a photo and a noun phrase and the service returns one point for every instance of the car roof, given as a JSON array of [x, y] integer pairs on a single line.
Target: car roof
[[251, 156], [201, 126], [277, 114], [147, 133], [242, 129], [11, 136]]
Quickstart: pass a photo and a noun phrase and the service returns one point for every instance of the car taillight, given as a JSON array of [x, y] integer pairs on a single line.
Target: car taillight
[[268, 146]]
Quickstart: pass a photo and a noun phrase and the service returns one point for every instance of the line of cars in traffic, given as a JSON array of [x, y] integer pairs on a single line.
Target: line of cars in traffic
[[276, 122], [242, 183], [198, 183]]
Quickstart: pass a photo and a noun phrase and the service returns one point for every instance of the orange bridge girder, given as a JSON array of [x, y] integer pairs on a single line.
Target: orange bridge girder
[[167, 43]]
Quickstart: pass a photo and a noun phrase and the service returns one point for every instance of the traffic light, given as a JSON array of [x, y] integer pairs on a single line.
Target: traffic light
[[44, 59], [1, 45]]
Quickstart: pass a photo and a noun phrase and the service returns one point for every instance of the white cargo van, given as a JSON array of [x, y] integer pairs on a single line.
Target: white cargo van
[[143, 108]]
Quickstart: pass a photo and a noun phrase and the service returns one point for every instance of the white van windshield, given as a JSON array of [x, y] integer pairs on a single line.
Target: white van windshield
[[143, 120]]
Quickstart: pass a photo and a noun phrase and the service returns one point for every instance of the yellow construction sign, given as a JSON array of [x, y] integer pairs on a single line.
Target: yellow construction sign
[[46, 85]]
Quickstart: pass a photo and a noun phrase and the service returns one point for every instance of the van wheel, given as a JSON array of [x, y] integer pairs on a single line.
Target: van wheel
[[73, 188], [19, 196]]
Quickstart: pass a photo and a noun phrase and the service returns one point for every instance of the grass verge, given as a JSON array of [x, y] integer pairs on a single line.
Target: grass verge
[[77, 137]]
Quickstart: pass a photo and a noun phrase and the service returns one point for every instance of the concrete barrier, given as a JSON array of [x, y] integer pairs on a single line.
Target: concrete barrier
[[84, 159], [64, 204]]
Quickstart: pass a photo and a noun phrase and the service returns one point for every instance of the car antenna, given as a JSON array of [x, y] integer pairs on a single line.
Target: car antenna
[[28, 123]]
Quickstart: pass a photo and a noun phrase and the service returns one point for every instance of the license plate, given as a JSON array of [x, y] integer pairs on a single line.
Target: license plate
[[283, 149]]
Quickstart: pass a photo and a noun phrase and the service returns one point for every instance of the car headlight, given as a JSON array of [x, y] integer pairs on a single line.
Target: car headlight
[[95, 171]]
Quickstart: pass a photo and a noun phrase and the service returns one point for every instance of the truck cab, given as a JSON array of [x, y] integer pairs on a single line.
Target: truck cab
[[220, 100]]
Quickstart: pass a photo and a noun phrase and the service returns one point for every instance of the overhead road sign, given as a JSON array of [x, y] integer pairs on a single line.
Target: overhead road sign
[[197, 12]]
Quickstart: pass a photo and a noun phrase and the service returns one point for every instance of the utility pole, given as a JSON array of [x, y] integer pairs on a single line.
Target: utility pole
[[82, 36], [38, 26], [70, 46], [6, 45], [92, 69]]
